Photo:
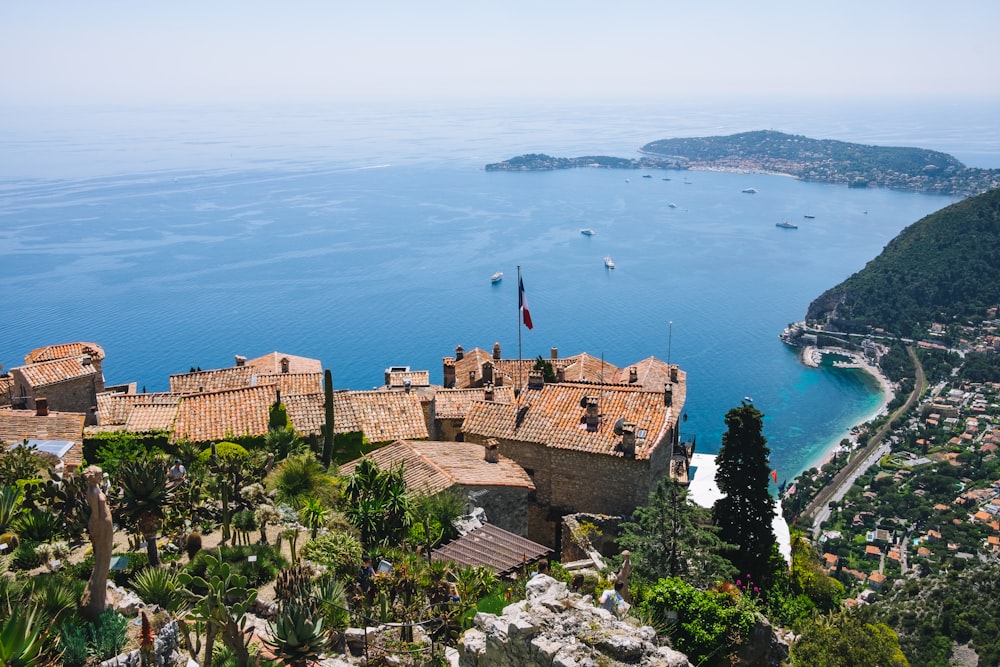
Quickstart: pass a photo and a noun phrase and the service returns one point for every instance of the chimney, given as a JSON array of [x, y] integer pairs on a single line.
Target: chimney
[[535, 379], [668, 394], [628, 440], [673, 373], [87, 360], [459, 353], [449, 372], [241, 360], [488, 372], [492, 451], [633, 375], [42, 407], [593, 416], [472, 378], [560, 375], [488, 394], [553, 353], [406, 385], [496, 351]]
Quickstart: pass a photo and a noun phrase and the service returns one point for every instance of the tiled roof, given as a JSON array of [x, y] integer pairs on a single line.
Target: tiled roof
[[588, 368], [308, 413], [432, 466], [223, 414], [553, 416], [271, 363], [213, 380], [455, 403], [416, 378], [148, 417], [384, 416], [471, 362], [6, 386], [294, 384], [652, 374], [52, 352], [45, 373], [493, 547], [16, 426], [113, 409]]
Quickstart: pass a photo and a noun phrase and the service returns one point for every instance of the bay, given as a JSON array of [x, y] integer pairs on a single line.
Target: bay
[[366, 236]]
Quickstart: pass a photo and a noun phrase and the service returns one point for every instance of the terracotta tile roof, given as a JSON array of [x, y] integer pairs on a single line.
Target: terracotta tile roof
[[384, 416], [982, 516], [924, 551], [272, 363], [830, 559], [587, 368], [493, 547], [398, 378], [148, 417], [113, 409], [876, 577], [455, 403], [431, 466], [471, 362], [212, 380], [872, 550], [52, 352], [43, 373], [553, 416], [6, 387], [307, 413], [16, 426], [219, 415], [294, 384]]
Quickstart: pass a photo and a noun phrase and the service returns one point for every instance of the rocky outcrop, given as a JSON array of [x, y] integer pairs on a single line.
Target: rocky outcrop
[[553, 627]]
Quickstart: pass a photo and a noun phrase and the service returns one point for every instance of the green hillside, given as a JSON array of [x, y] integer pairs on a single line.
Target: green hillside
[[943, 268]]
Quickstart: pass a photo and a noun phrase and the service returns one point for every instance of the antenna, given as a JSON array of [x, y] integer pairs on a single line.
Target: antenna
[[670, 339]]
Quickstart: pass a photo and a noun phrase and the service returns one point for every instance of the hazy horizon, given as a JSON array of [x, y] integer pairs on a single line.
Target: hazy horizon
[[186, 52]]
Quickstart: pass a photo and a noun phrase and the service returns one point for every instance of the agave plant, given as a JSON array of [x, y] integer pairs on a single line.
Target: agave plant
[[22, 639], [10, 507], [297, 636], [145, 495], [156, 585]]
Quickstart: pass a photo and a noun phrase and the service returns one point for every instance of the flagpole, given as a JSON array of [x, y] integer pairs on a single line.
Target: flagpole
[[519, 363]]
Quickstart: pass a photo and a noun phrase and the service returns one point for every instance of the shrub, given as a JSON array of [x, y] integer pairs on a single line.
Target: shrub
[[224, 450], [339, 551], [73, 644], [157, 585], [259, 572], [37, 526], [24, 557], [108, 635]]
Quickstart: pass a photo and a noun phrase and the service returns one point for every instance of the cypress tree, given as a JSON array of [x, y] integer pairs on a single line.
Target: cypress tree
[[328, 425], [745, 513]]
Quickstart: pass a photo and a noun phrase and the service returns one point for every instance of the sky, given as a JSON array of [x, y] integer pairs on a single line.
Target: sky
[[228, 51]]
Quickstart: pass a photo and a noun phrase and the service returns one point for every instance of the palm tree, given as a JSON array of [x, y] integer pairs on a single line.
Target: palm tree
[[301, 476], [145, 496]]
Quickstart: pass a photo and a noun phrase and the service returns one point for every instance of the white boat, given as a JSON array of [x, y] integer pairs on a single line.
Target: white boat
[[587, 231], [496, 277], [750, 191], [784, 224], [608, 262]]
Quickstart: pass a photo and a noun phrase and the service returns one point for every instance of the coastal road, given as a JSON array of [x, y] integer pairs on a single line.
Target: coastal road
[[819, 509]]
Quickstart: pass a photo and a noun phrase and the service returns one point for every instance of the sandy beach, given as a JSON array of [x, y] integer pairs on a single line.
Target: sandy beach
[[812, 357]]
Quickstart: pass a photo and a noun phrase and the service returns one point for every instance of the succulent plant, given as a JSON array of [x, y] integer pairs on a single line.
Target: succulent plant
[[297, 635]]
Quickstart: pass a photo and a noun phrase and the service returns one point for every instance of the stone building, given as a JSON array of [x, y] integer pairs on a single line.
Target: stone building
[[588, 447], [68, 376], [497, 484]]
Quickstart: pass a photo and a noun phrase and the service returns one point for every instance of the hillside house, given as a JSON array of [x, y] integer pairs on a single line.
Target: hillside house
[[497, 484], [44, 426], [595, 448], [68, 376]]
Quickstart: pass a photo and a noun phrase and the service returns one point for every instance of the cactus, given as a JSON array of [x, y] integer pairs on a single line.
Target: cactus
[[192, 544], [293, 584], [223, 607], [297, 635]]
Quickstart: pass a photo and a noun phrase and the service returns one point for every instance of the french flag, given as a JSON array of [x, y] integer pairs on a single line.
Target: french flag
[[522, 302]]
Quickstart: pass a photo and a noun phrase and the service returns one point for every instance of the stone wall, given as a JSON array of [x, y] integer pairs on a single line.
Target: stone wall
[[553, 627]]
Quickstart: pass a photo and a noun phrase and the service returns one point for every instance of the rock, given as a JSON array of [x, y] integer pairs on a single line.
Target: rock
[[553, 627]]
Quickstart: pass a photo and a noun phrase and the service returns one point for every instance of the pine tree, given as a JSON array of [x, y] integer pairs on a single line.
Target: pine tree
[[745, 512]]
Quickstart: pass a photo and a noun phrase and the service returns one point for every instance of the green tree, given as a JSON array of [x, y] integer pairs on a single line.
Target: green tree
[[746, 511], [842, 639], [144, 501], [301, 476], [378, 505], [671, 537], [329, 439], [545, 366]]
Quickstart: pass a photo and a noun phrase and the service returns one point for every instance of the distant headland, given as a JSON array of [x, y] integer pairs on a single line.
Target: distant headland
[[766, 151]]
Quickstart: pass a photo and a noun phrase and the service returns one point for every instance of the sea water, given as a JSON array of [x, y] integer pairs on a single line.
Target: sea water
[[366, 237]]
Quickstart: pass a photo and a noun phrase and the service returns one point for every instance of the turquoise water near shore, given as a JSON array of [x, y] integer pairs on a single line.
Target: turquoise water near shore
[[368, 240]]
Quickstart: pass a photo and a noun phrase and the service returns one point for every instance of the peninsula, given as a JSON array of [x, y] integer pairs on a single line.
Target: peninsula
[[766, 151]]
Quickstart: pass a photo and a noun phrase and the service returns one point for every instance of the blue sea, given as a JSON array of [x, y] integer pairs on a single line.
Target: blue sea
[[365, 236]]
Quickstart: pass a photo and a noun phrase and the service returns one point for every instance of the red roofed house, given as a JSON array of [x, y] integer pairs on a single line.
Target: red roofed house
[[486, 479], [40, 425], [588, 447], [68, 376]]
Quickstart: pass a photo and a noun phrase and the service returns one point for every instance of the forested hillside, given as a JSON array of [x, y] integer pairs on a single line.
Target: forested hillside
[[943, 268]]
